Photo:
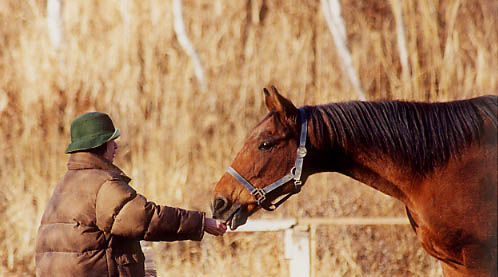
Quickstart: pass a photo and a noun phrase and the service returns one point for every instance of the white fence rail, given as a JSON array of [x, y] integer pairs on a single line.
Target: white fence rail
[[299, 238], [299, 241], [267, 225]]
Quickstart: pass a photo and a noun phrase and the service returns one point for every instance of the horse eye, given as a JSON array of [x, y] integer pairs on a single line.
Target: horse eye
[[265, 145]]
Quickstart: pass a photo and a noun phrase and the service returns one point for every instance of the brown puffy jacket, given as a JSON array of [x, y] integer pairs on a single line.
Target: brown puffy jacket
[[94, 222]]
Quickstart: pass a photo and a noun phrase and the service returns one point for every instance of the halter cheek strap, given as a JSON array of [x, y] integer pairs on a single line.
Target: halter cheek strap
[[294, 174]]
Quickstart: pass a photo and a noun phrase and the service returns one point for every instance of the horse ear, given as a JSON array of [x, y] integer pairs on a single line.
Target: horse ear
[[277, 103]]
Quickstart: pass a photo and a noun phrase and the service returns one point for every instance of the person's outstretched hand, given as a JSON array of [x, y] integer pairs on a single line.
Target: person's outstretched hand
[[214, 227]]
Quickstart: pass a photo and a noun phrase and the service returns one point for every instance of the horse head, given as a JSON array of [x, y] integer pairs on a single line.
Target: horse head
[[267, 165]]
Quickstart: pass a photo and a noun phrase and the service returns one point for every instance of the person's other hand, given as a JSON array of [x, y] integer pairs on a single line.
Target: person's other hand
[[214, 227]]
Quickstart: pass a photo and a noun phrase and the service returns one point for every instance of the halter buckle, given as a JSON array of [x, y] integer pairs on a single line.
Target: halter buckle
[[259, 195], [301, 151]]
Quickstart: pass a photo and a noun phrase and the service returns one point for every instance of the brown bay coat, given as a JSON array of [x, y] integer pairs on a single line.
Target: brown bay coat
[[94, 222]]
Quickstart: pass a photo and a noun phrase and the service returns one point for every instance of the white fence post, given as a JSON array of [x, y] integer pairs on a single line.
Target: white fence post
[[150, 266], [297, 251]]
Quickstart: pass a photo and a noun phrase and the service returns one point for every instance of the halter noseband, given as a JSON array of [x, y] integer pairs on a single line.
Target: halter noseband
[[294, 174]]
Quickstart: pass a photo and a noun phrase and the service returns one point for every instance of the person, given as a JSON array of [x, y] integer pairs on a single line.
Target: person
[[94, 220]]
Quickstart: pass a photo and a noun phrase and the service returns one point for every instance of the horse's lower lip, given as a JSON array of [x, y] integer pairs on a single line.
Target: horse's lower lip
[[234, 226], [232, 222]]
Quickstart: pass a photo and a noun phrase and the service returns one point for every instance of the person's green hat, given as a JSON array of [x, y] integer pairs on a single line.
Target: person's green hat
[[91, 130]]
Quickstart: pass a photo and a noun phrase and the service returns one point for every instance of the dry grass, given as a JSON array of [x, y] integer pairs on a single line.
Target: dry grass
[[177, 139]]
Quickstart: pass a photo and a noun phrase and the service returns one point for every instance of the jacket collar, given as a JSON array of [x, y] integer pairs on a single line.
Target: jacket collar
[[87, 160]]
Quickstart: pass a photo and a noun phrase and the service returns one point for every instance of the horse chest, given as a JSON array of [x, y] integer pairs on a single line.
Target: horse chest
[[442, 243], [452, 244]]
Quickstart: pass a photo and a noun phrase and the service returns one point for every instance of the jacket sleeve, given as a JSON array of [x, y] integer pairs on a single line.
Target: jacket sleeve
[[123, 212]]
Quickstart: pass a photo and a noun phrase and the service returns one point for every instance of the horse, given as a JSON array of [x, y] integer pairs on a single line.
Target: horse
[[439, 159]]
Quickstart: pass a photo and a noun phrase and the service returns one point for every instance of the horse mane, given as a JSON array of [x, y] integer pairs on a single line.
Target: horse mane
[[421, 135]]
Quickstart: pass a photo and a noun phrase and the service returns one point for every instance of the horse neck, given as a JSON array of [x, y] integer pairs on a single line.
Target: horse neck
[[359, 162], [394, 145]]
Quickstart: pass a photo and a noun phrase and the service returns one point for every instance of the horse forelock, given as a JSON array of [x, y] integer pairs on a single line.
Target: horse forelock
[[421, 135]]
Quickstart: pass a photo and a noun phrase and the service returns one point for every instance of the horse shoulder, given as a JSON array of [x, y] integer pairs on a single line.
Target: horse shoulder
[[455, 209]]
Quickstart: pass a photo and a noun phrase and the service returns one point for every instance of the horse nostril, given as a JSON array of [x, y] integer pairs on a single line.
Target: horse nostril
[[220, 203]]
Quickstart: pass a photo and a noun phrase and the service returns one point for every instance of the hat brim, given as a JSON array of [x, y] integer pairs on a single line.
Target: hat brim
[[91, 142]]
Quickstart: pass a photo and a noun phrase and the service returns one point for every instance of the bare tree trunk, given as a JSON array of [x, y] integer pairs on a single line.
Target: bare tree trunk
[[54, 22], [401, 39], [55, 25], [185, 43], [332, 12], [126, 17]]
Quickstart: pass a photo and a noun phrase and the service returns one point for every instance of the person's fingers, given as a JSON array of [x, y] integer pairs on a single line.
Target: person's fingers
[[221, 227], [215, 227]]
